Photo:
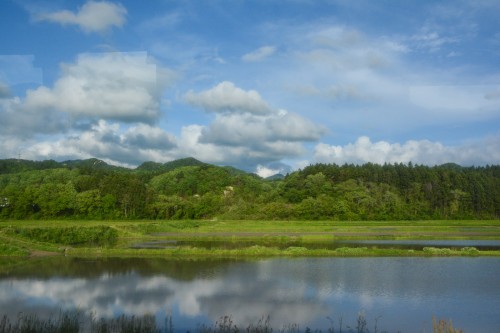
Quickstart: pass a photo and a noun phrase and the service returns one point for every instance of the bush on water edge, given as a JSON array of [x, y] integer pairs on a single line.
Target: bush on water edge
[[75, 322], [468, 251]]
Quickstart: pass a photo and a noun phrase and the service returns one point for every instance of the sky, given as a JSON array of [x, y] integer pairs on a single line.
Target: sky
[[267, 86]]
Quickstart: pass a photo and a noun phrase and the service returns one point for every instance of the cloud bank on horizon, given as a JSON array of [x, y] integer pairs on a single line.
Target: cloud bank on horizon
[[266, 86]]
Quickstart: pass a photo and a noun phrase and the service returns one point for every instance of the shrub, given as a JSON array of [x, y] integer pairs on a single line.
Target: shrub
[[469, 250], [437, 251], [351, 251]]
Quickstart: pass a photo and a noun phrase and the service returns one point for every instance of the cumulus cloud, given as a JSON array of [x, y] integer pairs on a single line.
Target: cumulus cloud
[[20, 121], [245, 156], [119, 86], [227, 98], [147, 137], [111, 143], [250, 130], [125, 87], [421, 152], [246, 131], [93, 16], [259, 54]]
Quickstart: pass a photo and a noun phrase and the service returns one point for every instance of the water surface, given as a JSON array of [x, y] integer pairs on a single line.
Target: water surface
[[403, 293]]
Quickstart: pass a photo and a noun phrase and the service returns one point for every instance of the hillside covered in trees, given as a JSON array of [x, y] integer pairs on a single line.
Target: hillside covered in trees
[[190, 189]]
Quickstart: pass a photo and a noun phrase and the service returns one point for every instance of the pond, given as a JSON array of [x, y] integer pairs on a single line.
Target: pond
[[396, 294]]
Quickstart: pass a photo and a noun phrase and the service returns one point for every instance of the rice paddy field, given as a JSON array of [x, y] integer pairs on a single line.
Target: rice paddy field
[[249, 238]]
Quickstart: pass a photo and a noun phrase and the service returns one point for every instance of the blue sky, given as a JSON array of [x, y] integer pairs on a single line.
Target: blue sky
[[264, 85]]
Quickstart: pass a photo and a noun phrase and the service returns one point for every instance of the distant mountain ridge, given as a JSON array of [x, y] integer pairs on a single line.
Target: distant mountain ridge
[[14, 165], [19, 165]]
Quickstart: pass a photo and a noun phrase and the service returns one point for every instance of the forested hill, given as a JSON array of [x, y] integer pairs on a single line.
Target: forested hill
[[18, 165], [190, 189]]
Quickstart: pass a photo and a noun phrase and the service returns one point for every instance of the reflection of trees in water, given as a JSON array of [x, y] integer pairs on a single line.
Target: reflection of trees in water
[[81, 267]]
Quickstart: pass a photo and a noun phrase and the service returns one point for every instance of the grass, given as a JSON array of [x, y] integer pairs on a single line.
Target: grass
[[254, 238], [75, 322]]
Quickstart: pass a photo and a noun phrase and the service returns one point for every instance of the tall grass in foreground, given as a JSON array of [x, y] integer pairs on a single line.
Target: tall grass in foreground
[[76, 322], [443, 326]]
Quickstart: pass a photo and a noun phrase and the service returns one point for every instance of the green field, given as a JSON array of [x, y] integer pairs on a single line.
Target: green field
[[199, 238]]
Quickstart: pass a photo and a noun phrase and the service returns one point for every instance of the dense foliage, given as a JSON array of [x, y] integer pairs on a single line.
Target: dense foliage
[[190, 189]]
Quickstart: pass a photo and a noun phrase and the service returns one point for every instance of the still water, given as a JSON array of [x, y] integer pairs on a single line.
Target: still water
[[403, 293]]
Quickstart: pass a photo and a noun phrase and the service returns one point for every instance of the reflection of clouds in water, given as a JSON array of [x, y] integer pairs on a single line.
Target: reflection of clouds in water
[[105, 296], [287, 293], [188, 295], [302, 291], [258, 294]]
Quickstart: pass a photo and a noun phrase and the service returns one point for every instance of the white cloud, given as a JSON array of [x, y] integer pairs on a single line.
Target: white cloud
[[421, 152], [227, 98], [108, 141], [120, 86], [271, 170], [246, 131], [93, 16], [259, 54], [21, 121], [243, 155], [251, 130], [144, 136], [457, 100]]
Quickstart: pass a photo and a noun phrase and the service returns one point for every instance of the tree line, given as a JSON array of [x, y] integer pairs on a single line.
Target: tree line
[[190, 189]]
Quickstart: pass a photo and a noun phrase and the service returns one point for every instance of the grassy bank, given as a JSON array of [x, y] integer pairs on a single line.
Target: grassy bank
[[254, 238]]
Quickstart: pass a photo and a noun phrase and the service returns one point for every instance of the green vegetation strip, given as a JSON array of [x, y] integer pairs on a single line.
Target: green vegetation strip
[[264, 251], [255, 238]]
